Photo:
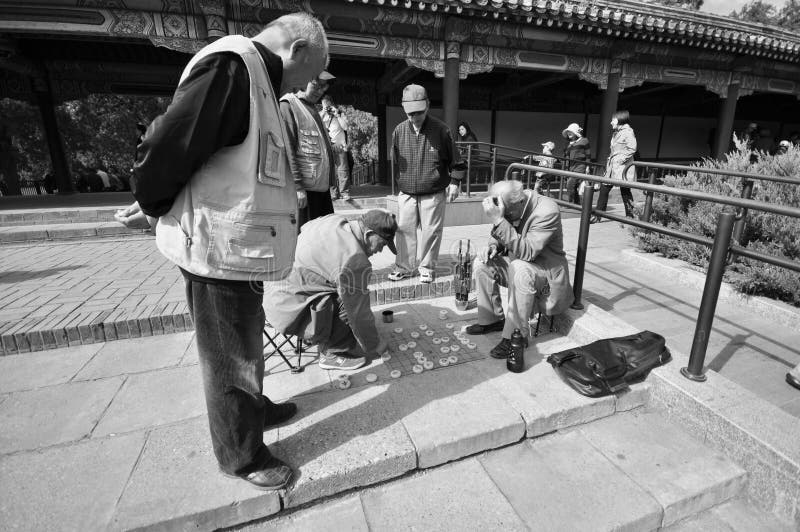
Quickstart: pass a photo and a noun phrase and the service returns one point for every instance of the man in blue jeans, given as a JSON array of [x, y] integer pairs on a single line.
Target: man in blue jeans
[[215, 172]]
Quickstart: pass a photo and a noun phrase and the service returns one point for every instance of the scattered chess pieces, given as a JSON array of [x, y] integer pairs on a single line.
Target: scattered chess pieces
[[395, 374], [371, 377], [444, 361], [427, 364], [417, 368]]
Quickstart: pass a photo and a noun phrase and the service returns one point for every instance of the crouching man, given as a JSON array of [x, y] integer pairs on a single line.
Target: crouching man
[[325, 298], [526, 254]]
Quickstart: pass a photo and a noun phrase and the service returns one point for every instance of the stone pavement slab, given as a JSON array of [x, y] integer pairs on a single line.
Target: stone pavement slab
[[341, 440], [73, 487], [454, 412], [562, 482], [339, 515], [177, 486], [46, 368], [145, 354], [55, 414], [458, 496], [683, 475], [545, 403], [155, 398]]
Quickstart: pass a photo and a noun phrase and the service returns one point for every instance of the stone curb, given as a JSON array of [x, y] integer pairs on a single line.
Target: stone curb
[[758, 436], [41, 333], [680, 272], [66, 231]]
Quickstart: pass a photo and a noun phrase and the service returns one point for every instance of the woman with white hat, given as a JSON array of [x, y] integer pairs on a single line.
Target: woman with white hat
[[578, 152]]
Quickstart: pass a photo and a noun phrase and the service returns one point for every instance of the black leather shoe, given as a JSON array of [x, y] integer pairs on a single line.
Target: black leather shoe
[[477, 328], [274, 475], [503, 349], [278, 413], [793, 381]]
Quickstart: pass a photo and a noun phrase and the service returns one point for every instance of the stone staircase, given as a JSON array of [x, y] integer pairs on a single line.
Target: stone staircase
[[631, 471]]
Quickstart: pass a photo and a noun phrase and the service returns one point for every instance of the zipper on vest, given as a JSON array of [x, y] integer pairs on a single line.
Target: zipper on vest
[[188, 239]]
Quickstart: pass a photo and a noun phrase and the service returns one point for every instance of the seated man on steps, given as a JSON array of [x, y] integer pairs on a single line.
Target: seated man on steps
[[526, 254], [325, 298]]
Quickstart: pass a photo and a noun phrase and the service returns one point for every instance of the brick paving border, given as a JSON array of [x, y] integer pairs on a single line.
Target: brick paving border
[[88, 327]]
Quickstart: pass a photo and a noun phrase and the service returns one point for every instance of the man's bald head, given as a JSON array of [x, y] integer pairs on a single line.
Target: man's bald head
[[510, 191], [300, 41]]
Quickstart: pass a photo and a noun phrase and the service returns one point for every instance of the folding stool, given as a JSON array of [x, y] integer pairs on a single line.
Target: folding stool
[[280, 342]]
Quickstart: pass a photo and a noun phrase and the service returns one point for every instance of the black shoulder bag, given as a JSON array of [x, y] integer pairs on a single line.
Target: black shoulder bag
[[609, 366]]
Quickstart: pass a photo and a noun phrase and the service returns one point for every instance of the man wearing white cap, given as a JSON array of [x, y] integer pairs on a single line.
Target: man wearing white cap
[[578, 152], [428, 171]]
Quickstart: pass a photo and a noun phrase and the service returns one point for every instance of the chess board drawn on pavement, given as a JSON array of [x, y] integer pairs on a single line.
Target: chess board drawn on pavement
[[416, 344]]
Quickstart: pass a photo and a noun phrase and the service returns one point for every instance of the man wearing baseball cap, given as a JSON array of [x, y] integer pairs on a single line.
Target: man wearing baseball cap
[[428, 170], [325, 298], [311, 154]]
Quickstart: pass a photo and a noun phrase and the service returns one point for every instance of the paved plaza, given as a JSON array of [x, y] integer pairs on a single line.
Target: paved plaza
[[113, 434]]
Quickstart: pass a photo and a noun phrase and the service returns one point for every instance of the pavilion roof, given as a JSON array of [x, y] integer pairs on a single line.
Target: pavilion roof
[[627, 19]]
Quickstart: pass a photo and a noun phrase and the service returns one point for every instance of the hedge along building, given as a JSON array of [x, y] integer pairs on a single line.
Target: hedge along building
[[518, 71]]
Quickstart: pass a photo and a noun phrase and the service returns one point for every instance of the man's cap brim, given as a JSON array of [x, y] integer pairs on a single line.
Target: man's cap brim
[[391, 246], [326, 76], [415, 106]]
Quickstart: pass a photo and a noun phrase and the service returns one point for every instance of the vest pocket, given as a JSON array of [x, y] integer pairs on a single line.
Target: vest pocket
[[309, 142], [271, 160], [252, 243]]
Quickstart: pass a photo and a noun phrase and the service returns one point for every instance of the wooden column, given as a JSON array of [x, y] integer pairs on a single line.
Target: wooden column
[[44, 99], [450, 85], [383, 142], [727, 112], [610, 99]]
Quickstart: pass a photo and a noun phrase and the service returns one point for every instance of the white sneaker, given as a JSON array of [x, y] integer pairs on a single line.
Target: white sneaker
[[398, 275], [343, 363]]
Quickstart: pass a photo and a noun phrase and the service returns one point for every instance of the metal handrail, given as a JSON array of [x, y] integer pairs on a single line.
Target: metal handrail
[[721, 246], [717, 171]]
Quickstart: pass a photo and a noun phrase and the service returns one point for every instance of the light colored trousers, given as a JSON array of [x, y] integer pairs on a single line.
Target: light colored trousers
[[525, 281], [427, 213]]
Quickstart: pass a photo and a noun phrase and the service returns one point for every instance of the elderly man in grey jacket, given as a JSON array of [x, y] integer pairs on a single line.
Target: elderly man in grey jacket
[[526, 254], [325, 298]]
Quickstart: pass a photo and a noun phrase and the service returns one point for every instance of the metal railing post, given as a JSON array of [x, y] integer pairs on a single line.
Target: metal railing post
[[583, 244], [708, 304], [648, 200], [469, 165], [392, 165], [741, 214], [494, 162]]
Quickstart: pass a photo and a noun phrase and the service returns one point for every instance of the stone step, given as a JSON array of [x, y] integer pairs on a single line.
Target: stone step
[[75, 215], [735, 515], [103, 227], [576, 479]]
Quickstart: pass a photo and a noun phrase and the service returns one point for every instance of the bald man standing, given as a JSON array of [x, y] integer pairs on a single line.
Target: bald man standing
[[214, 170]]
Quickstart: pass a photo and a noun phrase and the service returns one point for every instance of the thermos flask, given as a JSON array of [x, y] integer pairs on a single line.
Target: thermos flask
[[516, 360]]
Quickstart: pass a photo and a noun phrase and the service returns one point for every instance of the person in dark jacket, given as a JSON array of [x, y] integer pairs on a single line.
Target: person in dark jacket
[[578, 152], [428, 170], [465, 134]]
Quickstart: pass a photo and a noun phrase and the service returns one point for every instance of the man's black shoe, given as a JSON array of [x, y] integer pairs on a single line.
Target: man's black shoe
[[274, 475], [503, 349], [791, 380], [278, 413], [477, 328]]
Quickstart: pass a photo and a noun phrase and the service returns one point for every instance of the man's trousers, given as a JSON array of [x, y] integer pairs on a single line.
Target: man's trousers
[[525, 281], [426, 212], [229, 320]]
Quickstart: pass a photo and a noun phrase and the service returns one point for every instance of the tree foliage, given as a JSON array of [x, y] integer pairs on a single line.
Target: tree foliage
[[362, 134], [787, 17], [98, 131]]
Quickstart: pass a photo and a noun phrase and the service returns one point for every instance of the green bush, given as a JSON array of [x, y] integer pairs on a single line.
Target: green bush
[[764, 232]]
